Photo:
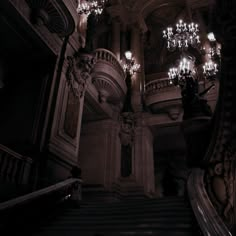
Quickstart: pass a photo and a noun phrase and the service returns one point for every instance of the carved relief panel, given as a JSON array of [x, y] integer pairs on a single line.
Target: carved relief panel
[[69, 108]]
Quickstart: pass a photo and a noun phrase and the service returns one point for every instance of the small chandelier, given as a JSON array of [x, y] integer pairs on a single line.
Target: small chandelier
[[90, 6], [179, 75], [183, 36], [210, 70], [214, 51], [130, 66]]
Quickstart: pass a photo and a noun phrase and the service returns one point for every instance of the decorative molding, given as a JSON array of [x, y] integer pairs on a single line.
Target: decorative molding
[[53, 14], [221, 156], [78, 72]]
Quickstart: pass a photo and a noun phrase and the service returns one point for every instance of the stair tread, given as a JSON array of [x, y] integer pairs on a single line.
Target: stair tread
[[162, 217]]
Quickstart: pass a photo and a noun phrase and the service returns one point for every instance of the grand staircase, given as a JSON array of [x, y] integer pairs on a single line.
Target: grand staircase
[[169, 216]]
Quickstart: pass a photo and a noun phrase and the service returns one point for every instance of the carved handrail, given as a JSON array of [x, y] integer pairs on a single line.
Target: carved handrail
[[157, 85], [107, 56], [208, 219], [66, 188], [14, 167], [25, 212]]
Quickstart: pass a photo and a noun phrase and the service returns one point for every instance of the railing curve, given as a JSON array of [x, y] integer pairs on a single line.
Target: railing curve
[[208, 219], [102, 54]]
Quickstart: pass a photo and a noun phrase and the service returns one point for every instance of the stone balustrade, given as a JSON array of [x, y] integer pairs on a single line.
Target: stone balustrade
[[158, 85], [108, 77], [162, 96], [14, 168], [102, 54]]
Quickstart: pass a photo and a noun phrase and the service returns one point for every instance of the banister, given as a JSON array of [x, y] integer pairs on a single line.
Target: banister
[[38, 194], [208, 219], [15, 154], [14, 167]]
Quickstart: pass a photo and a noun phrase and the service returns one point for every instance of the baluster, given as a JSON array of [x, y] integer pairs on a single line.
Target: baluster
[[19, 167], [10, 168], [97, 55], [2, 162], [14, 170], [107, 57], [5, 167]]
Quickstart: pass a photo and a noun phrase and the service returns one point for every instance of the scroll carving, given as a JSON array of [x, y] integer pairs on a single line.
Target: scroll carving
[[220, 179]]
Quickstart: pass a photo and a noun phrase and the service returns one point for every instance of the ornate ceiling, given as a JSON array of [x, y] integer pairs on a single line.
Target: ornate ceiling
[[152, 17]]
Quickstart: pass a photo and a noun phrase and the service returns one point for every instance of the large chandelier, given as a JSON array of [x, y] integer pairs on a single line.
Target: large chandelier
[[90, 6], [129, 65], [182, 37], [179, 75]]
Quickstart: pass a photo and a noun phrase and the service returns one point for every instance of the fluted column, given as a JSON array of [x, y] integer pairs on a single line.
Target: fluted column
[[116, 38]]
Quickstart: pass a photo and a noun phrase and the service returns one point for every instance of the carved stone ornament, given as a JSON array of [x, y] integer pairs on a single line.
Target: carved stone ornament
[[222, 168], [53, 14], [127, 128], [220, 179], [78, 72]]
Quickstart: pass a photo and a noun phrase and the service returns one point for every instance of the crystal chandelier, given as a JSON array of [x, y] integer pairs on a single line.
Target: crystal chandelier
[[210, 70], [90, 6], [183, 36], [179, 75], [130, 66]]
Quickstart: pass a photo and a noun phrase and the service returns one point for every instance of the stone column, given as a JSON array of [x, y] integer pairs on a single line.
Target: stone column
[[136, 49], [116, 38], [143, 167]]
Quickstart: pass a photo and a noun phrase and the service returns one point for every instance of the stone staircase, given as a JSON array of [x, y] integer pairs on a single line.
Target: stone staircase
[[170, 216]]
